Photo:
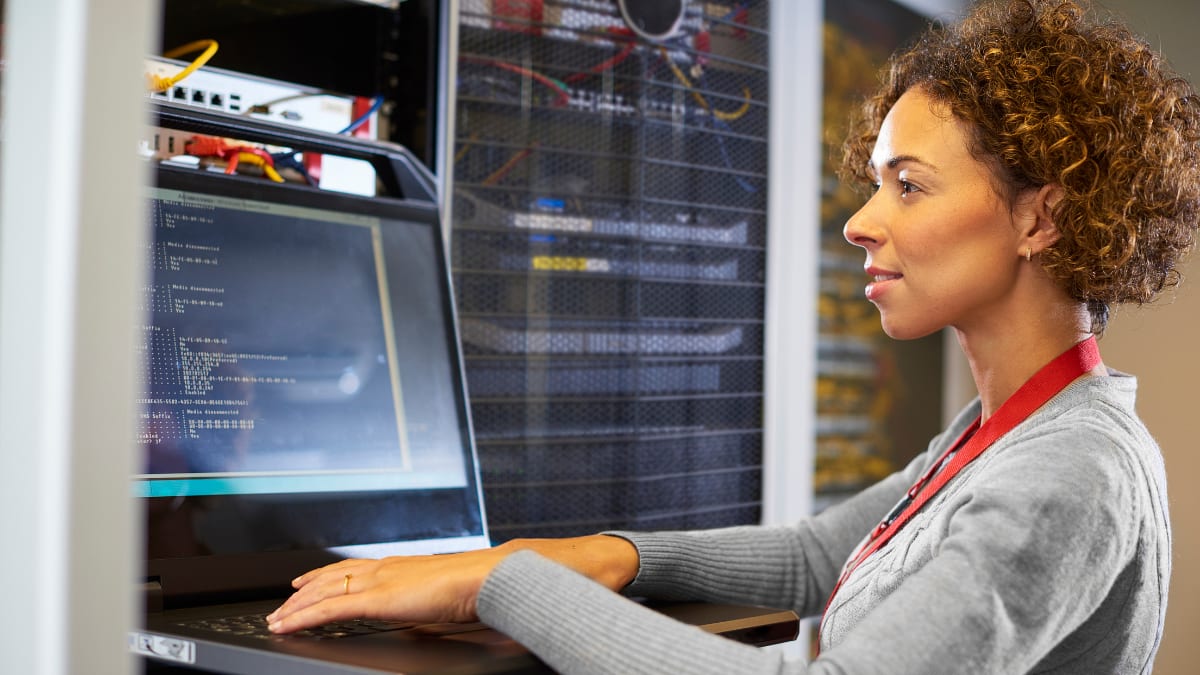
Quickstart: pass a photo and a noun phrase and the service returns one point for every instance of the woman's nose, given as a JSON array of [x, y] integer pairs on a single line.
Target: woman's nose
[[860, 229]]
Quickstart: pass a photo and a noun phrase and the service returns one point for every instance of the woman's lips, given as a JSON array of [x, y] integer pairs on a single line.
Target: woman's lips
[[881, 281]]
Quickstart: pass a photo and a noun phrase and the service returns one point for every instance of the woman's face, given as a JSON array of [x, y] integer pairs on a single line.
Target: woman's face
[[942, 248]]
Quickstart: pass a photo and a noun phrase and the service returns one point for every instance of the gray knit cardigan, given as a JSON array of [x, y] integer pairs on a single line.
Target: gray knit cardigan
[[1048, 554]]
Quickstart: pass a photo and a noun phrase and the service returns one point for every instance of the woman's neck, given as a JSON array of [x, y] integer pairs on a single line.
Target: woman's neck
[[1003, 359]]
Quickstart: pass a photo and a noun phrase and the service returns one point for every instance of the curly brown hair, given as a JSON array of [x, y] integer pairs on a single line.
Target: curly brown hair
[[1056, 95]]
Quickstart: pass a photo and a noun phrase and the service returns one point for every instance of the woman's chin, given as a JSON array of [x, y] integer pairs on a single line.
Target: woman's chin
[[899, 330]]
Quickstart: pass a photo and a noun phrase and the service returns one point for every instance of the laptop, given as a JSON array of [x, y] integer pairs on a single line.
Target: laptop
[[303, 401]]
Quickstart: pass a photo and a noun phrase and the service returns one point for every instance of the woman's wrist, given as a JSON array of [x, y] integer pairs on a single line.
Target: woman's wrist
[[608, 560]]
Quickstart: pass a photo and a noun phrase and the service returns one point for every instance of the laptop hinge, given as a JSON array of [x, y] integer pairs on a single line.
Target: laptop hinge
[[152, 592]]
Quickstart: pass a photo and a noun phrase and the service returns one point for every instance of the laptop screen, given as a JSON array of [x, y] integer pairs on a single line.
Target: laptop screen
[[302, 381]]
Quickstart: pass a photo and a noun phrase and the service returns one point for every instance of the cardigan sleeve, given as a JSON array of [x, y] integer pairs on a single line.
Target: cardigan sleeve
[[792, 566], [578, 626]]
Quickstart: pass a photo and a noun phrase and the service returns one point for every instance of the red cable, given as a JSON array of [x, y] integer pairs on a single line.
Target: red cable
[[606, 65], [563, 95]]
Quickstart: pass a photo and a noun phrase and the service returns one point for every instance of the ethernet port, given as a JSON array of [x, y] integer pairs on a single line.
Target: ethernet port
[[198, 97], [217, 101], [179, 94]]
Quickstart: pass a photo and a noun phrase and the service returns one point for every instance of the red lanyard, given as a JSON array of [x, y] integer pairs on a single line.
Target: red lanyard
[[1044, 385]]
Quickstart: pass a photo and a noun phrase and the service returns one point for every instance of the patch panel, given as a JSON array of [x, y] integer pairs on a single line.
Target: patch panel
[[215, 100], [242, 94]]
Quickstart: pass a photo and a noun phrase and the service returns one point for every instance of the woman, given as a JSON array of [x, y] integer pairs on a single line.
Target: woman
[[1031, 169]]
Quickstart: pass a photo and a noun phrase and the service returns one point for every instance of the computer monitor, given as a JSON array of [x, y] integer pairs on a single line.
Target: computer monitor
[[303, 385]]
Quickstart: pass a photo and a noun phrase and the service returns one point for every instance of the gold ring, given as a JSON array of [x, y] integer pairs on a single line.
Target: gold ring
[[346, 585]]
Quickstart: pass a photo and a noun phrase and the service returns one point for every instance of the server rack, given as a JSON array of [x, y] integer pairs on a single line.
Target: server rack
[[608, 247]]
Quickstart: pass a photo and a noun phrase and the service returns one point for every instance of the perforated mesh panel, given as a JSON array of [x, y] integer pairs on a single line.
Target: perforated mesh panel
[[609, 198]]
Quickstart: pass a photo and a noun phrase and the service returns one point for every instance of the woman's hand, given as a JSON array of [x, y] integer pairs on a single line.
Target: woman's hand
[[436, 588]]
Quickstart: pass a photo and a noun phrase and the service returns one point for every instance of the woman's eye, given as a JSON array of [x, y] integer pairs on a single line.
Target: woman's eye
[[907, 188]]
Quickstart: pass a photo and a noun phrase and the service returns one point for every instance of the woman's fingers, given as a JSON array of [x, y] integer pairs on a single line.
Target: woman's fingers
[[321, 584], [329, 609]]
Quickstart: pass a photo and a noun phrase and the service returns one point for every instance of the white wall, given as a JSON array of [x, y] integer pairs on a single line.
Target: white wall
[[70, 259]]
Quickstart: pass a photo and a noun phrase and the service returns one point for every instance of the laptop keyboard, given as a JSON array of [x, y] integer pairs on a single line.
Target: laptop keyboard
[[255, 626]]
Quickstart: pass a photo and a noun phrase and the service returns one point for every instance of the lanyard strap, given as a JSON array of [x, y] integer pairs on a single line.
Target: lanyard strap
[[1043, 386]]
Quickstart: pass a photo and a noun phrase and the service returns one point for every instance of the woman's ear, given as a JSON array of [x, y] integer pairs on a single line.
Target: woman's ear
[[1039, 230]]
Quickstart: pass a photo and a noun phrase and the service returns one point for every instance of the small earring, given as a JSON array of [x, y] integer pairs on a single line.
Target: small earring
[[1028, 253]]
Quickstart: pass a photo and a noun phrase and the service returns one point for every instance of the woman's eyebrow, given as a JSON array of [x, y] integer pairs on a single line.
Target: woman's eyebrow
[[893, 162]]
